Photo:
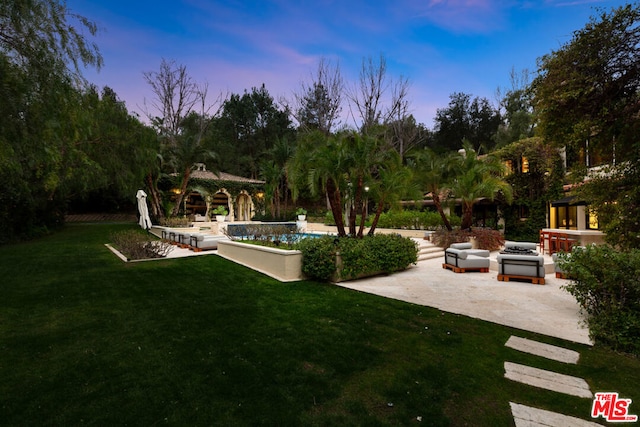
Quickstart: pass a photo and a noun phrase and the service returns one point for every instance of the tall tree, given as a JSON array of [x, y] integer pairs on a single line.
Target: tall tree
[[248, 127], [465, 119], [392, 182], [517, 110], [587, 93], [377, 99], [42, 49], [44, 34], [273, 169], [181, 115], [587, 98], [318, 104]]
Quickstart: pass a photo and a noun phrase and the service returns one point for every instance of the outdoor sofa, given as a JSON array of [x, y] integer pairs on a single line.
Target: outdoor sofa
[[461, 258], [524, 263]]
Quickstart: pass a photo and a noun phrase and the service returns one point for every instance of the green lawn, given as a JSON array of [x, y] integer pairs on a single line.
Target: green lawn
[[88, 339]]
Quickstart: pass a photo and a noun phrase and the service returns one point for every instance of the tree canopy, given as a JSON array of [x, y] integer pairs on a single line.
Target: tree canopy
[[59, 139], [464, 119], [587, 94], [587, 98]]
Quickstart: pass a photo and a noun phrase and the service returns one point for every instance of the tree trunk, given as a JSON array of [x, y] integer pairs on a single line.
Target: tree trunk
[[336, 207], [353, 212], [362, 220], [183, 189], [467, 216], [438, 205], [374, 224], [155, 198]]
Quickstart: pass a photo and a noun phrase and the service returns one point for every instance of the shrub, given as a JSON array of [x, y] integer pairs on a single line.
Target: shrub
[[175, 222], [487, 238], [318, 257], [415, 220], [606, 284], [136, 245], [358, 257], [445, 238]]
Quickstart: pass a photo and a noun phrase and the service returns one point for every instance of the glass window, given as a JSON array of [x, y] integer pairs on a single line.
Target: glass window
[[592, 220], [565, 217]]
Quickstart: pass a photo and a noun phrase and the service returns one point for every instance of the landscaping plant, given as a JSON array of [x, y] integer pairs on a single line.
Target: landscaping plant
[[135, 245], [606, 284], [380, 253]]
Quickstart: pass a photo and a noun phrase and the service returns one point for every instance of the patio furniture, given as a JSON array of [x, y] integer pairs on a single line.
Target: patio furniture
[[553, 241], [520, 248], [461, 258], [200, 241], [525, 267]]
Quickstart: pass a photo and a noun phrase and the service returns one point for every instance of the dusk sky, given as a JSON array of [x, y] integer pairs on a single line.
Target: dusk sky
[[440, 46]]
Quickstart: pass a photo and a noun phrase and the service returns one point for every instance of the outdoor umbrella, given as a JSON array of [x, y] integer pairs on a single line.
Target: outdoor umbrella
[[145, 221]]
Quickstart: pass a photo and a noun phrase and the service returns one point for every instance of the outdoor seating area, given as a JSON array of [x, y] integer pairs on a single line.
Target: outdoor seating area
[[516, 261], [197, 241]]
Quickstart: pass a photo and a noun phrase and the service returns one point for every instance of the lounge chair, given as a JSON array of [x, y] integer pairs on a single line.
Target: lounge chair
[[461, 258], [200, 241]]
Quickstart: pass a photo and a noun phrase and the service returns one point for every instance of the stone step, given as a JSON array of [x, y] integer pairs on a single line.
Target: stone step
[[527, 416], [548, 380], [427, 250], [544, 350]]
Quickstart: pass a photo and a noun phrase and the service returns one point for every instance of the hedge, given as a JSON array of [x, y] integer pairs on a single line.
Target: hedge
[[606, 284], [381, 253]]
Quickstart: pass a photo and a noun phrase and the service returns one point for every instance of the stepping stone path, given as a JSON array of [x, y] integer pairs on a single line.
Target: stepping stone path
[[544, 350], [526, 416], [548, 380]]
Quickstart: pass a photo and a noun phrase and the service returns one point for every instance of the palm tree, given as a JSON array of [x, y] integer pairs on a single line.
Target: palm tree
[[477, 178], [432, 173], [320, 164], [393, 181], [281, 152], [363, 155]]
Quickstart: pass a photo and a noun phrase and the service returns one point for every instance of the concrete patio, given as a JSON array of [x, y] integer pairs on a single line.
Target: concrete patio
[[544, 309]]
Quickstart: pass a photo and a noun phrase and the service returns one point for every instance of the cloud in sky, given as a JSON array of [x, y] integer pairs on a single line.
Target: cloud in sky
[[441, 46]]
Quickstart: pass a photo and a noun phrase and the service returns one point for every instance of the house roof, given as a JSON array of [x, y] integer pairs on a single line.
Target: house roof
[[567, 201], [222, 176]]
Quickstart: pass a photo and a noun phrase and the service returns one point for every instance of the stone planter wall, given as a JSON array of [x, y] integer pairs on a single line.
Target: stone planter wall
[[283, 265]]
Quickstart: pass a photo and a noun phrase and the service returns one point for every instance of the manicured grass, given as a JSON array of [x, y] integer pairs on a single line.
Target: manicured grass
[[88, 339]]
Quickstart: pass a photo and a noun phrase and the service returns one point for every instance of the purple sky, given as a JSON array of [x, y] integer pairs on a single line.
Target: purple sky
[[440, 46]]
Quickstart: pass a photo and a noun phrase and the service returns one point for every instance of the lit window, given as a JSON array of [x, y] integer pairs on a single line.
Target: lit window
[[525, 165], [508, 166]]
